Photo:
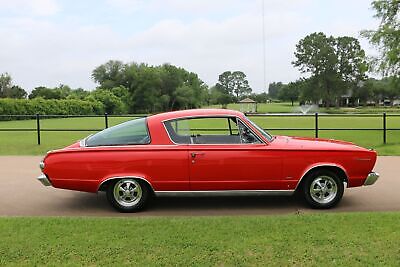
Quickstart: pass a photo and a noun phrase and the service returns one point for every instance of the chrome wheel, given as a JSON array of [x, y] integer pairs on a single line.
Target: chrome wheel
[[127, 192], [323, 189]]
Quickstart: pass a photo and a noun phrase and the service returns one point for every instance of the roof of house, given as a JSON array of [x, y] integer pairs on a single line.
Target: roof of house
[[247, 100]]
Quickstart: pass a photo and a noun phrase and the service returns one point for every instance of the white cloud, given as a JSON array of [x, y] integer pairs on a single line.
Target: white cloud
[[31, 7], [40, 51]]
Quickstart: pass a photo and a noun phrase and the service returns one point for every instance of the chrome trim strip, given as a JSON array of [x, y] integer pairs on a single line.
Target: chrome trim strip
[[226, 193], [44, 180], [322, 165], [124, 177], [371, 178]]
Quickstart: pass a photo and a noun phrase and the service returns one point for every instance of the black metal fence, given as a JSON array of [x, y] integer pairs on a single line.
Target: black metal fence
[[316, 129]]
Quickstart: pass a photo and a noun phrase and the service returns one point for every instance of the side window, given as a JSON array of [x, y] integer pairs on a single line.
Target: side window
[[246, 135], [132, 132], [217, 130]]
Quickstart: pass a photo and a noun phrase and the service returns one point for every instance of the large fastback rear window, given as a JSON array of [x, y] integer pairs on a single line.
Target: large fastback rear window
[[134, 132]]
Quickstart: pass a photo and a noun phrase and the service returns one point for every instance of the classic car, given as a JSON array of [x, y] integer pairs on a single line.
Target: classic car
[[206, 151]]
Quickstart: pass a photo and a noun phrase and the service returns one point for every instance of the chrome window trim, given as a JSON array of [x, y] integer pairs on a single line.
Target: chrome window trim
[[125, 177], [262, 142]]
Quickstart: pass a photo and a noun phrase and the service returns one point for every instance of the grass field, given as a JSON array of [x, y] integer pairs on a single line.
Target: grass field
[[286, 107], [357, 239], [24, 143]]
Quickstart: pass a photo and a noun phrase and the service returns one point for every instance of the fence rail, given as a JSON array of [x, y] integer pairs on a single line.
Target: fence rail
[[384, 129]]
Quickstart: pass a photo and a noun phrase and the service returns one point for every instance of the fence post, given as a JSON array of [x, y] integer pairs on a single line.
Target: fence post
[[38, 128], [316, 124], [106, 119], [384, 127]]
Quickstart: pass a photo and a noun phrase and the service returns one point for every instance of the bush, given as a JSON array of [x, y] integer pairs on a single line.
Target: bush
[[42, 106]]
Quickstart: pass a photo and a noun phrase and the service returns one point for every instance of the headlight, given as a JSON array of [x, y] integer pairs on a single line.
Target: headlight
[[41, 165]]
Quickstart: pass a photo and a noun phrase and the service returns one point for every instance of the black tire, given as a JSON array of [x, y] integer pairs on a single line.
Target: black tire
[[323, 189], [133, 199]]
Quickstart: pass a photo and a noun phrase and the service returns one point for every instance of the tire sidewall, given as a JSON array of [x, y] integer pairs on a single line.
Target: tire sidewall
[[137, 207], [306, 189]]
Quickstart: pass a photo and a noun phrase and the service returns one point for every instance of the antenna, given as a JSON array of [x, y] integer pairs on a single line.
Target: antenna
[[264, 45]]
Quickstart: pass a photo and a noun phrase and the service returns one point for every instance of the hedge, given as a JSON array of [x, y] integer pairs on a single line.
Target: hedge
[[41, 106]]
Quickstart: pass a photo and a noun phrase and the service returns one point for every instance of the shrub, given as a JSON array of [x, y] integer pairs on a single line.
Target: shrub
[[42, 106]]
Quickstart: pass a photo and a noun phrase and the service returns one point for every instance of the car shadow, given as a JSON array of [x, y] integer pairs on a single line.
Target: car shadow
[[97, 205]]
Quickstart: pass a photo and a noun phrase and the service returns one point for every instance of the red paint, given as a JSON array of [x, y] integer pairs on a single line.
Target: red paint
[[275, 165]]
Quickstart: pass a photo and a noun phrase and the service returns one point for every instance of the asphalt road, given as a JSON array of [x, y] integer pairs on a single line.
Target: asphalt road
[[22, 195]]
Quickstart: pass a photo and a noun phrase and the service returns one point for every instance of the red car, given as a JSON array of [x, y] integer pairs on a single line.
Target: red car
[[209, 151]]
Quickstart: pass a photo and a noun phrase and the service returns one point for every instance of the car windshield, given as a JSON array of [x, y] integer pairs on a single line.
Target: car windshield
[[132, 132], [261, 130]]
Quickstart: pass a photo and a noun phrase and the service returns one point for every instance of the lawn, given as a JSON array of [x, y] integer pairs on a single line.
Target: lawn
[[286, 107], [355, 239], [24, 143]]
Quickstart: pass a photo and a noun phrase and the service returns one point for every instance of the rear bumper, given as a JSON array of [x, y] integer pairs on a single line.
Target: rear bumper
[[371, 178], [44, 180]]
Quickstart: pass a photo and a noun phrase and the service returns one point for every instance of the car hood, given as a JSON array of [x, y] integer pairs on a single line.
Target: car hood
[[315, 143]]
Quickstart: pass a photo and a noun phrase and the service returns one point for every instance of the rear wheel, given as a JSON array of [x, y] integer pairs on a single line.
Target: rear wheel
[[128, 195], [323, 189]]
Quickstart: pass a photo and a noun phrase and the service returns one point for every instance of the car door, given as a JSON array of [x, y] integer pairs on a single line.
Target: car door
[[249, 164]]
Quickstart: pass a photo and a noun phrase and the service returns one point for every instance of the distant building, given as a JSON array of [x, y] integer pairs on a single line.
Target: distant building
[[248, 105]]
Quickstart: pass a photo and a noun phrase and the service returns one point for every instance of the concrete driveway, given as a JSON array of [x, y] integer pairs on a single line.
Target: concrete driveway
[[22, 195]]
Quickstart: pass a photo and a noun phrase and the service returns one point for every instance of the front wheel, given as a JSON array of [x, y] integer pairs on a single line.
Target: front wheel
[[323, 189], [128, 195]]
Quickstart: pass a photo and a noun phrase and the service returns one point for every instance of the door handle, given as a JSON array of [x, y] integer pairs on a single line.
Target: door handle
[[194, 154]]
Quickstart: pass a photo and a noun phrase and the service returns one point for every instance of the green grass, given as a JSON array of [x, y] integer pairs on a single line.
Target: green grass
[[286, 107], [283, 107], [24, 143], [356, 239]]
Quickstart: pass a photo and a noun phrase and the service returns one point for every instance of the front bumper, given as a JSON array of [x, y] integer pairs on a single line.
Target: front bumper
[[44, 180], [371, 178]]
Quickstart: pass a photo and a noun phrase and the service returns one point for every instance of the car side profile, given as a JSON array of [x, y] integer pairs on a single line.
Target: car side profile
[[206, 151]]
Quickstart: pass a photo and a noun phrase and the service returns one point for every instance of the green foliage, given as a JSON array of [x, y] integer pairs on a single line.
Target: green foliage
[[42, 106], [143, 88], [112, 104], [110, 74], [5, 83], [14, 92], [273, 89], [290, 92], [60, 92], [387, 36], [335, 64], [234, 84], [8, 90]]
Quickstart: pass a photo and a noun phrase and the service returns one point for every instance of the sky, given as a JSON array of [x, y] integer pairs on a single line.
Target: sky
[[52, 42]]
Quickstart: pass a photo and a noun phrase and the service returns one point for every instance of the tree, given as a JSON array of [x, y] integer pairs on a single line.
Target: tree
[[273, 89], [44, 92], [78, 93], [15, 92], [5, 83], [234, 84], [112, 104], [290, 92], [8, 90], [387, 36], [110, 74], [335, 64]]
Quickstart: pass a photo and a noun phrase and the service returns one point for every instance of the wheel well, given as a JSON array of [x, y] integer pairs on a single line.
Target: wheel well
[[337, 170], [104, 185]]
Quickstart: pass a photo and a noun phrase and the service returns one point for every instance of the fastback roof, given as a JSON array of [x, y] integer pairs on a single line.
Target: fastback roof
[[194, 112]]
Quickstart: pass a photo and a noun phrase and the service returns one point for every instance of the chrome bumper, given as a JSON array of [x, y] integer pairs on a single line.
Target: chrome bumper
[[371, 178], [43, 179]]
